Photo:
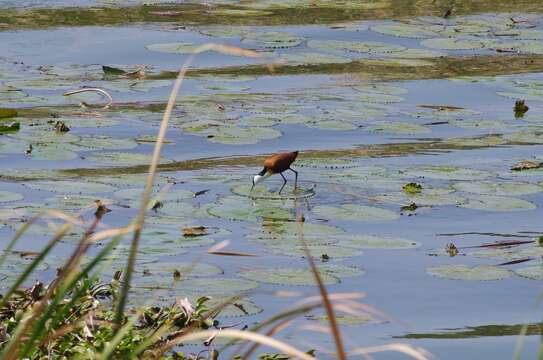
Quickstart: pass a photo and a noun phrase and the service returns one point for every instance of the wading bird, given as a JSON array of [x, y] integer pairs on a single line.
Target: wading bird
[[277, 164]]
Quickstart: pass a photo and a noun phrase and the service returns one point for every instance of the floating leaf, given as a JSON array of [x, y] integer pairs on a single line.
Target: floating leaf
[[239, 208], [371, 47], [532, 272], [490, 188], [263, 192], [399, 128], [404, 30], [377, 242], [287, 276], [456, 43], [240, 135], [464, 272], [238, 308], [272, 39], [332, 125], [446, 173], [7, 196], [354, 212], [71, 187], [497, 203], [379, 98]]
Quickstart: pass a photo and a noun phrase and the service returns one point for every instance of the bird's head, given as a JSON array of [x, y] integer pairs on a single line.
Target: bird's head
[[260, 177]]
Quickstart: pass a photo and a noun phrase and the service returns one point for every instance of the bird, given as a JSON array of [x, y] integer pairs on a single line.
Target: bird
[[277, 164]]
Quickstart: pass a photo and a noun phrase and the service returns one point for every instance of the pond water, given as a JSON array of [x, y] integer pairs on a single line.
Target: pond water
[[371, 105]]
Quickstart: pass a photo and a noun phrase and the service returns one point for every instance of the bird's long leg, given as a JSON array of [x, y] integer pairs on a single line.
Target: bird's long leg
[[296, 177], [284, 182]]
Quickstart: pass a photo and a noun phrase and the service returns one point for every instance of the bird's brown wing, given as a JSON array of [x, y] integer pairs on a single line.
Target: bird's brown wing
[[280, 162]]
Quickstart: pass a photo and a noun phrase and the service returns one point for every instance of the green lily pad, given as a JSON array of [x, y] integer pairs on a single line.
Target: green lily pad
[[501, 189], [531, 272], [336, 125], [478, 124], [399, 128], [170, 195], [287, 276], [331, 251], [379, 98], [378, 88], [491, 140], [404, 30], [71, 187], [455, 43], [272, 39], [497, 203], [464, 272], [241, 208], [186, 270], [216, 286], [377, 242], [263, 192], [124, 158], [354, 212], [446, 173], [524, 137], [371, 47], [240, 135], [7, 196]]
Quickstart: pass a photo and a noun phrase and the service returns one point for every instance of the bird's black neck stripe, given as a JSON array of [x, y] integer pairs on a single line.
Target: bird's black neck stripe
[[263, 172]]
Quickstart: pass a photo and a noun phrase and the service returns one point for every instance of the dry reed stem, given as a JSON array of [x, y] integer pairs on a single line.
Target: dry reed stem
[[100, 91], [242, 335]]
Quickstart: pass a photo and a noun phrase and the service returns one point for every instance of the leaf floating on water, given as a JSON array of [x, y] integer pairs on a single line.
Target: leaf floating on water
[[399, 128], [414, 31], [354, 212], [497, 203], [272, 39], [238, 308], [287, 276], [501, 189], [446, 173], [377, 242], [7, 196], [264, 192], [532, 272], [371, 47], [71, 187], [464, 272]]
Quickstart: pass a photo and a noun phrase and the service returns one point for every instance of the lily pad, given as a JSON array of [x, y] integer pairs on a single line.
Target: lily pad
[[272, 39], [7, 196], [71, 187], [240, 208], [399, 128], [263, 192], [446, 173], [371, 47], [414, 31], [501, 189], [497, 203], [377, 242], [465, 272], [287, 276], [235, 135], [354, 212], [531, 272]]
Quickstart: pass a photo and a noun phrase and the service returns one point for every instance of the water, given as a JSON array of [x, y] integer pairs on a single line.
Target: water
[[382, 137]]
